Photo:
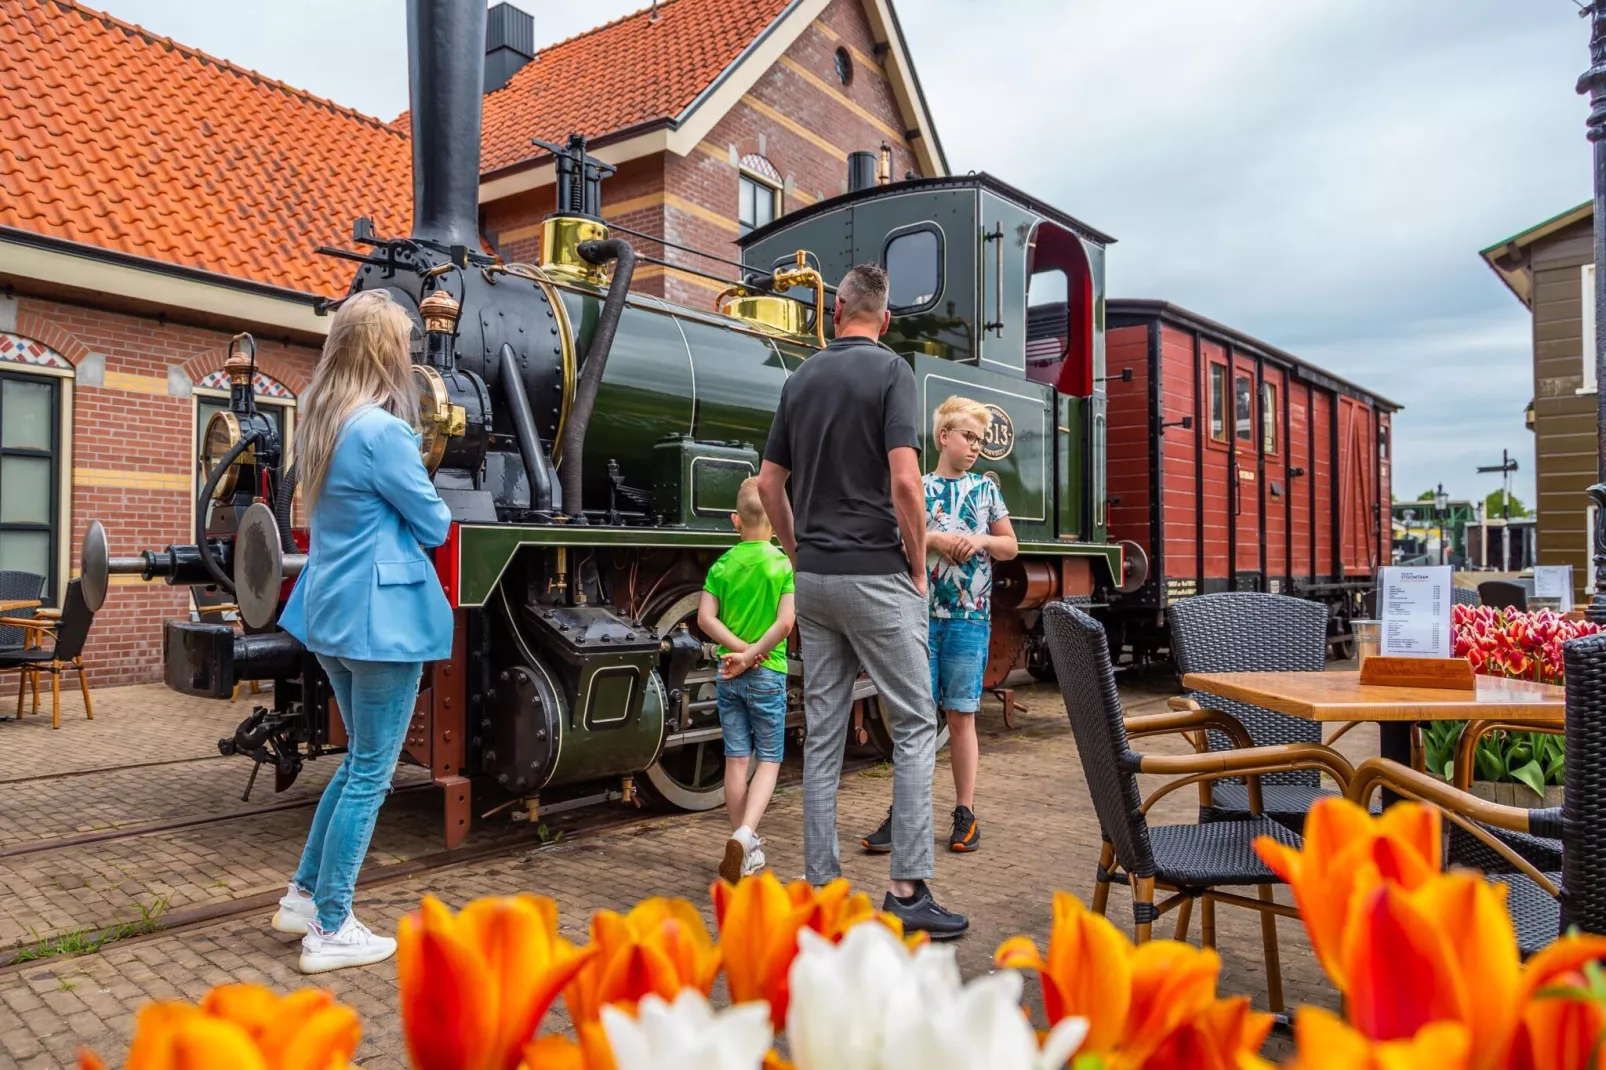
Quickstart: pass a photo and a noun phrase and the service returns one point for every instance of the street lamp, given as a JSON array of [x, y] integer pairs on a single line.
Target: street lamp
[[1593, 82], [1441, 502]]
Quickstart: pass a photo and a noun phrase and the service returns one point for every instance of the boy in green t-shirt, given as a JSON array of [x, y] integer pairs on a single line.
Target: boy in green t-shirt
[[747, 609]]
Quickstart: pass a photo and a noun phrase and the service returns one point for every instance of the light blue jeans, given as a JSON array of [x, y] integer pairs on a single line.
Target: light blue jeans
[[376, 701]]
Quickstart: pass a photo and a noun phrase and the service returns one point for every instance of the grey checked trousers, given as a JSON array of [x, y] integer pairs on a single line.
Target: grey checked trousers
[[878, 622]]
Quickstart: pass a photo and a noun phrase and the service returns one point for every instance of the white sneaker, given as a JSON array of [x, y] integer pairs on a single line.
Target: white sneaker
[[296, 912], [738, 849], [350, 945], [755, 861]]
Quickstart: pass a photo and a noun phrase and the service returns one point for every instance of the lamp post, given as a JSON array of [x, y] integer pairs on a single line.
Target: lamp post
[[1441, 502], [1593, 82]]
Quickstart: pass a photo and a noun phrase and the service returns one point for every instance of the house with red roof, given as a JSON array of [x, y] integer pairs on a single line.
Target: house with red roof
[[155, 200]]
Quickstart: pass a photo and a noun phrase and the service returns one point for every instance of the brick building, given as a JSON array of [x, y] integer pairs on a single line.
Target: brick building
[[155, 200]]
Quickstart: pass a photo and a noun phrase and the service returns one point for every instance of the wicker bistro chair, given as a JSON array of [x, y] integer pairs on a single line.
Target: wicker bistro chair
[[1469, 850], [1190, 861], [1250, 632], [1533, 892], [1464, 596], [16, 585], [65, 655]]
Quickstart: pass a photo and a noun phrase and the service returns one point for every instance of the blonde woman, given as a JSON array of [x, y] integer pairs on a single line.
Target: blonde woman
[[367, 604]]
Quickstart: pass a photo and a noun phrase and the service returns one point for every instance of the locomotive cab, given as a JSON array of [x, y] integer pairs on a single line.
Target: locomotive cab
[[966, 260]]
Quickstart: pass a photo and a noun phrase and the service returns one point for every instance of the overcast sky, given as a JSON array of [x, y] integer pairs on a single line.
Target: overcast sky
[[1317, 173]]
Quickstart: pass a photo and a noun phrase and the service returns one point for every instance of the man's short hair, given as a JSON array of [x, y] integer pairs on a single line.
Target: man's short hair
[[955, 409], [749, 506], [862, 293]]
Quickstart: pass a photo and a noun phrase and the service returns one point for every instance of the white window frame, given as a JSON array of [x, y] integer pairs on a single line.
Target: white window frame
[[777, 195], [1586, 276], [207, 393]]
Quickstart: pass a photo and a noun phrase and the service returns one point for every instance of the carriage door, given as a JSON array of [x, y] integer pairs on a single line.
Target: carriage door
[[1245, 476], [1357, 488]]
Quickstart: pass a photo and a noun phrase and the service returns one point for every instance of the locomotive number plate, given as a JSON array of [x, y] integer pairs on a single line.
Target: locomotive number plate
[[999, 441]]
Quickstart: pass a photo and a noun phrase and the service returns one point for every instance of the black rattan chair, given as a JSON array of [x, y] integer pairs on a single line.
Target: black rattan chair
[[1248, 632], [1192, 861], [1464, 596], [66, 655], [1502, 594], [18, 585]]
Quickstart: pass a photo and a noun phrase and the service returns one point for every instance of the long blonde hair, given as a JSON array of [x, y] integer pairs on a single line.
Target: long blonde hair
[[365, 363]]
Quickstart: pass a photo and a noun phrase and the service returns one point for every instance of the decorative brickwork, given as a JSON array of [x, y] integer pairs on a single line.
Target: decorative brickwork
[[20, 350]]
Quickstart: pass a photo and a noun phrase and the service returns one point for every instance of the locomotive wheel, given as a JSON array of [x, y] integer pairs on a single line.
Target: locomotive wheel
[[691, 777], [879, 737]]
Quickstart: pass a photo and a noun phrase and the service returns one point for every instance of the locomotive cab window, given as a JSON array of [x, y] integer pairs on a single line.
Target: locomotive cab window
[[1218, 402], [913, 260], [1268, 418], [1243, 409]]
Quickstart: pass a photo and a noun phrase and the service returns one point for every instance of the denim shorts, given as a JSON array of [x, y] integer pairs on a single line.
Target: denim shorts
[[752, 714], [958, 659]]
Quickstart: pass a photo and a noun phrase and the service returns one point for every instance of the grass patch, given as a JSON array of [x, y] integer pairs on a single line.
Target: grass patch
[[548, 835], [89, 941], [878, 771]]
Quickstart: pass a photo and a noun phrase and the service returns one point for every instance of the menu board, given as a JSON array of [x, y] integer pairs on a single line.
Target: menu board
[[1414, 609], [1555, 581]]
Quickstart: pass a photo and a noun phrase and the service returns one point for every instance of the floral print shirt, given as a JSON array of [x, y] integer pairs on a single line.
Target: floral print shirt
[[968, 505]]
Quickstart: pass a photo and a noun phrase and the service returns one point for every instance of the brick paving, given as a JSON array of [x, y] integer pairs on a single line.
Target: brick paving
[[1039, 826]]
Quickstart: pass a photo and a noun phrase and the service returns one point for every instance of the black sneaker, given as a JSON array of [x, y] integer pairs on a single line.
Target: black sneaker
[[920, 913], [879, 842], [966, 835]]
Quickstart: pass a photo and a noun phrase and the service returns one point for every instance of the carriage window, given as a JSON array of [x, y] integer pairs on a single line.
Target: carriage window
[[1268, 417], [914, 271], [1244, 409], [1218, 402]]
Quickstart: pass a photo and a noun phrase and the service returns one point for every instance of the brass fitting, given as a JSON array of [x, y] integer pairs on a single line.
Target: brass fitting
[[561, 236], [803, 275], [440, 310]]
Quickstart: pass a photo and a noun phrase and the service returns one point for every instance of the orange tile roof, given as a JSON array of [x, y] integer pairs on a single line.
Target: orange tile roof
[[632, 71], [117, 138]]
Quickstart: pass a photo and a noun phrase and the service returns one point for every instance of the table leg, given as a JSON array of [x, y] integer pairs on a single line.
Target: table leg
[[1394, 743]]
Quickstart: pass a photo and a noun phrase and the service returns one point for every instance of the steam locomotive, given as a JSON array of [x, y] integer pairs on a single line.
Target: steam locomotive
[[590, 442]]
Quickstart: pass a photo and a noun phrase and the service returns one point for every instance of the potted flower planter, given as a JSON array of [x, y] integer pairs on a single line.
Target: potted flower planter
[[1514, 794]]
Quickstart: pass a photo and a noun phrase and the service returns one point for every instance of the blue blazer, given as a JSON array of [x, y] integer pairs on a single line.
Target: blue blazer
[[368, 591]]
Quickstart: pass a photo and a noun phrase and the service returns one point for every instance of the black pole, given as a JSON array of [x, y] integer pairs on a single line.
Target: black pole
[[1594, 83]]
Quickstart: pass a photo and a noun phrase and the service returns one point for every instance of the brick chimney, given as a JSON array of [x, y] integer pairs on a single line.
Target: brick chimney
[[509, 43]]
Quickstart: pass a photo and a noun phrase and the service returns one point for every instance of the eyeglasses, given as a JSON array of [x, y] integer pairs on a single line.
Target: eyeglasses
[[970, 437]]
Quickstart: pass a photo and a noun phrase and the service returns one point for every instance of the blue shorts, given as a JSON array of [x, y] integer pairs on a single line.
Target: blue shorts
[[752, 714], [958, 659]]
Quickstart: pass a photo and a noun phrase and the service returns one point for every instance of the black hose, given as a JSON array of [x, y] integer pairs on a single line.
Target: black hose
[[585, 394], [223, 580], [536, 464], [283, 503]]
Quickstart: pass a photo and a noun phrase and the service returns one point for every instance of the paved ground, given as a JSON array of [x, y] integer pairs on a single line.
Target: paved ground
[[1040, 835]]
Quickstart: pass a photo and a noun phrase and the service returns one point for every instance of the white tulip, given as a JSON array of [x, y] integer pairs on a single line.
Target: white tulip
[[688, 1035], [869, 1004]]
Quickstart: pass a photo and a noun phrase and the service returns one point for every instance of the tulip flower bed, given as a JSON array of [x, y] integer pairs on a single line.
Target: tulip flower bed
[[1518, 646], [1426, 961]]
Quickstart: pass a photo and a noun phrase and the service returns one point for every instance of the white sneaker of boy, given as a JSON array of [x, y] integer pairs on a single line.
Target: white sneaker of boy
[[755, 861], [350, 945], [296, 912], [742, 843]]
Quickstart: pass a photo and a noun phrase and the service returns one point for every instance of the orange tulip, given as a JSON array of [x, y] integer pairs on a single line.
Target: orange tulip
[[561, 1053], [1133, 997], [1447, 952], [1346, 854], [475, 985], [1226, 1036], [758, 925], [242, 1027], [1326, 1043], [1558, 1032], [661, 946]]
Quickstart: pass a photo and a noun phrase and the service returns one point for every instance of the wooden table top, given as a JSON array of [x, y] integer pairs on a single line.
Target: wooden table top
[[8, 605], [1340, 696]]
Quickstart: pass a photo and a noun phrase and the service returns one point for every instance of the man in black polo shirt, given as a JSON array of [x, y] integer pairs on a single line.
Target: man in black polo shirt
[[845, 433]]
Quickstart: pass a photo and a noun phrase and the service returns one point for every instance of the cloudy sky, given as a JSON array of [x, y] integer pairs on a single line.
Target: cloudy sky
[[1318, 173]]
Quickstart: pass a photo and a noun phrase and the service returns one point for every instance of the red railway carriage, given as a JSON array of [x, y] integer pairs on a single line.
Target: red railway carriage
[[1236, 466]]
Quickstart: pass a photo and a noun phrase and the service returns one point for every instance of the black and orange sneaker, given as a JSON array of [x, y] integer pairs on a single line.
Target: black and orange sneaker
[[879, 842], [966, 835]]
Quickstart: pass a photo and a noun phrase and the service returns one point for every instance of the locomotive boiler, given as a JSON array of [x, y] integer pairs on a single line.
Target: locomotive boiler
[[590, 440]]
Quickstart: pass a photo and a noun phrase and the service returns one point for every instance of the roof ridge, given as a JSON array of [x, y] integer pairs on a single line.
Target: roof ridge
[[112, 21], [659, 6]]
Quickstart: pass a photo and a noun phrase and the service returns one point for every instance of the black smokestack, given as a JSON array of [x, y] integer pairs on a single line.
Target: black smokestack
[[861, 171], [446, 75]]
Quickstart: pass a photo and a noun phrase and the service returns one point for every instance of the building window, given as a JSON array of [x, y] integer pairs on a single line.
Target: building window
[[913, 261], [760, 203], [1588, 279], [1218, 402], [844, 66], [1244, 409], [273, 400], [30, 474], [1268, 417]]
